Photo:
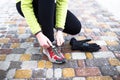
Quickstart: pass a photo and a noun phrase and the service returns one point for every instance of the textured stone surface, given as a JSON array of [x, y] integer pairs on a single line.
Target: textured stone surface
[[29, 65], [68, 72], [100, 78], [89, 71], [58, 72], [21, 74], [4, 65], [78, 55], [21, 55], [103, 55], [97, 62], [2, 74], [11, 73], [2, 57], [109, 70], [39, 73], [15, 65], [25, 57]]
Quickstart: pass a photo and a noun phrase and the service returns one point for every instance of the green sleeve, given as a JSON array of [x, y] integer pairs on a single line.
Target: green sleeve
[[61, 11], [27, 9]]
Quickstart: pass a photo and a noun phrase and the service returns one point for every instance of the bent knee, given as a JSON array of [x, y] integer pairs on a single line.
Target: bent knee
[[77, 29]]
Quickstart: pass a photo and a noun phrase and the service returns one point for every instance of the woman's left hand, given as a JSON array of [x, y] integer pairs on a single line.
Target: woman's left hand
[[59, 38]]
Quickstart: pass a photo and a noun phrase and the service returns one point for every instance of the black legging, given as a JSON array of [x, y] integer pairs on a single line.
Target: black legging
[[45, 13]]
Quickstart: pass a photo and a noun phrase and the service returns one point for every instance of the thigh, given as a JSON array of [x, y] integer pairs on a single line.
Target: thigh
[[72, 25]]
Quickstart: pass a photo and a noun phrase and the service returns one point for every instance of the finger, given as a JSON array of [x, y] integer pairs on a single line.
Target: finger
[[58, 42], [83, 41], [49, 43], [45, 46], [61, 41]]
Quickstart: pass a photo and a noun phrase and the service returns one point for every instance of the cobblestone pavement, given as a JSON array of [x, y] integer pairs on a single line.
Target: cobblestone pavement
[[21, 59]]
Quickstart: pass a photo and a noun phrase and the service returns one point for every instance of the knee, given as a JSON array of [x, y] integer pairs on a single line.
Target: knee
[[77, 29]]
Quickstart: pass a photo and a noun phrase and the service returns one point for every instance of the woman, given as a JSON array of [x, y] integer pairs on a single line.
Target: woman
[[44, 15]]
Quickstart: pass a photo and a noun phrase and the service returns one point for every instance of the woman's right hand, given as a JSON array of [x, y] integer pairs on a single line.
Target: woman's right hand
[[43, 40]]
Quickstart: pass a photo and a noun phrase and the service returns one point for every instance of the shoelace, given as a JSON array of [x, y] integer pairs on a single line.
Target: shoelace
[[56, 51]]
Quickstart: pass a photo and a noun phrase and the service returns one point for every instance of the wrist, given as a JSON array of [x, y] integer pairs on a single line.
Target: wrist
[[38, 33], [59, 29]]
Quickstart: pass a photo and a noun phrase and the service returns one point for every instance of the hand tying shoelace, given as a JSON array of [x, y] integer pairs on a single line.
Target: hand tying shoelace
[[82, 45]]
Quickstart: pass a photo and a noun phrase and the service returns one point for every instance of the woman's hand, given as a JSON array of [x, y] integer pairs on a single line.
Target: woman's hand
[[43, 40], [59, 38]]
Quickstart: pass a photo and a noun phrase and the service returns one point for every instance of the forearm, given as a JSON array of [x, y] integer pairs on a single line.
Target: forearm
[[27, 9]]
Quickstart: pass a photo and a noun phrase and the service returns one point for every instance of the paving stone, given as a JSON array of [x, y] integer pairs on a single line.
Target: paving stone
[[51, 79], [109, 70], [57, 72], [37, 78], [4, 40], [5, 51], [100, 26], [78, 55], [36, 45], [114, 48], [24, 36], [15, 45], [21, 30], [36, 57], [23, 74], [87, 71], [1, 35], [100, 42], [81, 63], [68, 56], [41, 64], [116, 77], [68, 72], [13, 57], [6, 45], [48, 64], [62, 65], [38, 73], [18, 51], [103, 48], [73, 64], [100, 78], [33, 50], [25, 57], [68, 64], [97, 62], [14, 40], [89, 55], [118, 33], [109, 38], [118, 68], [2, 57], [64, 79], [30, 39], [29, 65], [79, 78], [2, 74], [15, 65], [110, 34], [4, 65], [10, 74], [26, 45], [114, 62], [49, 73], [103, 54]]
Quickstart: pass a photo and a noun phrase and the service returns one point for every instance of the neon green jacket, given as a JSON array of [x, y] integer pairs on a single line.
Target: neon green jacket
[[27, 9]]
